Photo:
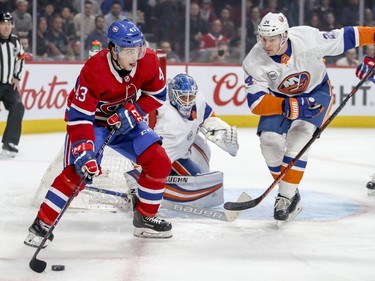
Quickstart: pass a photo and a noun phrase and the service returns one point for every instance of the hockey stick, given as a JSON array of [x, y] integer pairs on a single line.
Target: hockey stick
[[228, 216], [235, 206], [39, 265]]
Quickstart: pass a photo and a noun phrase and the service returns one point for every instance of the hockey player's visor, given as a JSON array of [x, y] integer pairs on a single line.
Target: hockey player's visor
[[130, 53]]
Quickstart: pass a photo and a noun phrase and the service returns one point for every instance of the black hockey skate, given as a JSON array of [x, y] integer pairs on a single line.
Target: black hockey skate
[[151, 227], [286, 209], [37, 232], [371, 187], [9, 150]]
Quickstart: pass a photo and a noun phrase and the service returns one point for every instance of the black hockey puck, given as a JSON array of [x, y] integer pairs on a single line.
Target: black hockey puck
[[58, 267]]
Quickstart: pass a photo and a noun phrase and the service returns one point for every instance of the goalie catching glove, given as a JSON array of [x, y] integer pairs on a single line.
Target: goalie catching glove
[[85, 160], [125, 118], [220, 133], [301, 107], [365, 67]]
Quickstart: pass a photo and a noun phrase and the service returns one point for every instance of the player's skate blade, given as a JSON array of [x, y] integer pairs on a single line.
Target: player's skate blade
[[37, 231], [291, 217], [370, 188], [151, 227]]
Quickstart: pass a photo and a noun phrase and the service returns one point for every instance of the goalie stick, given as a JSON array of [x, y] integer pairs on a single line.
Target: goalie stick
[[227, 216], [236, 206], [39, 265]]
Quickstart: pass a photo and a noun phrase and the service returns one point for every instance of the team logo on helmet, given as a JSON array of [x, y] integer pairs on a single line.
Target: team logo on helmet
[[115, 28], [295, 83], [281, 19]]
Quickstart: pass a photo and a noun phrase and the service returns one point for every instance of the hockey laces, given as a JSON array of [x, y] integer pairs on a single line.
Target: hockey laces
[[282, 203], [155, 220]]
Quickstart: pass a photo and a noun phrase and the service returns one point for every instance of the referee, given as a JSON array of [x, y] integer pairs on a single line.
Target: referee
[[11, 65]]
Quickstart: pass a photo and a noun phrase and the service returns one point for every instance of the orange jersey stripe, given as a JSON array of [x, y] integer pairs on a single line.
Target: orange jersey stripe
[[269, 105], [366, 35]]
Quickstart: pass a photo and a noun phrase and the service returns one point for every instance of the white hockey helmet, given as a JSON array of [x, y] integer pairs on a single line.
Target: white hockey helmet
[[273, 24]]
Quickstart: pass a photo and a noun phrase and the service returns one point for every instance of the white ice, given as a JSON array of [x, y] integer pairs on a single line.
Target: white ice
[[332, 239]]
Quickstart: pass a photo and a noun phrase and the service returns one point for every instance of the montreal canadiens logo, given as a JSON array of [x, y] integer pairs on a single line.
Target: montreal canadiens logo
[[295, 84], [281, 19], [115, 29]]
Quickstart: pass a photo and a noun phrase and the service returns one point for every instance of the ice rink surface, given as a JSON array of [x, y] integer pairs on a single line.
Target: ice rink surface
[[331, 240]]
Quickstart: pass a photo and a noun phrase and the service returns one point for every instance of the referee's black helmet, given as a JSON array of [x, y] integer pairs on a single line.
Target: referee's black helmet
[[6, 17]]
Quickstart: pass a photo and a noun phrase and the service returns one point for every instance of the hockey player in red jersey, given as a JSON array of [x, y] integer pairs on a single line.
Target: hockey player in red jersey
[[105, 95]]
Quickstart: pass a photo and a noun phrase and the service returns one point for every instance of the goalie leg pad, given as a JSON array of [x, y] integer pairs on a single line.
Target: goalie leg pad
[[203, 190]]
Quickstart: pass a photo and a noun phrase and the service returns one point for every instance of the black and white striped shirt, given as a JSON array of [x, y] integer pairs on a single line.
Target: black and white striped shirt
[[11, 59]]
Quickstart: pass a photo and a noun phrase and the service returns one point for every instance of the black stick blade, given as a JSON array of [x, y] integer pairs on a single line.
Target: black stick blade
[[239, 206], [37, 265]]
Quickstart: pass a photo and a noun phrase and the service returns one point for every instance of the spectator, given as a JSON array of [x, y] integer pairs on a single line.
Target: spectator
[[207, 12], [315, 21], [370, 51], [6, 5], [369, 18], [48, 12], [221, 54], [115, 14], [229, 29], [26, 47], [330, 22], [350, 14], [74, 51], [41, 40], [106, 5], [350, 59], [323, 9], [58, 41], [271, 7], [99, 33], [198, 27], [76, 5], [89, 20], [22, 19], [171, 55], [235, 45], [68, 24], [169, 26], [212, 39], [252, 25]]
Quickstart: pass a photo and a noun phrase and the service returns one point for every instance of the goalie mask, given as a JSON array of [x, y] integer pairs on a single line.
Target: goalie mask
[[127, 39], [182, 91]]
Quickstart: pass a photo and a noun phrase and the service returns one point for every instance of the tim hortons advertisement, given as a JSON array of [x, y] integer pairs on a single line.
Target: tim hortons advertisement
[[45, 87]]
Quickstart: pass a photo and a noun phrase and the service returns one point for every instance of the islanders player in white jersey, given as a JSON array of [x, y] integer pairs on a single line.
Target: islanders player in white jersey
[[361, 71], [184, 114], [105, 96], [288, 86]]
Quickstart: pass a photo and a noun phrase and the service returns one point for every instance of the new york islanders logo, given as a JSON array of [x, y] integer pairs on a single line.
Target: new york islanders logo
[[295, 83]]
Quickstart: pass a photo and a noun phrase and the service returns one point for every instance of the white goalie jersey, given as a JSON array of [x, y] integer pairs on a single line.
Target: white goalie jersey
[[178, 134]]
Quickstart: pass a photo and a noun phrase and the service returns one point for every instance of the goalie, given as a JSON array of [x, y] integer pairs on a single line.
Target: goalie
[[183, 115]]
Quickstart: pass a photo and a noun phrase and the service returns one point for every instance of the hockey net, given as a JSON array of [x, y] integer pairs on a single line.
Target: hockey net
[[113, 165]]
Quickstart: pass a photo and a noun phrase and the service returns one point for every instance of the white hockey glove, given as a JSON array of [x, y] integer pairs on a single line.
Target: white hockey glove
[[220, 133]]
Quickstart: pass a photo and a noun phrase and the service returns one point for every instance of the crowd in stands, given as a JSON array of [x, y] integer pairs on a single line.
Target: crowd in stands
[[215, 25]]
